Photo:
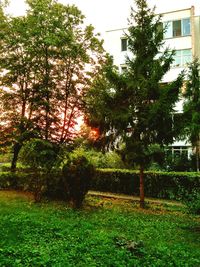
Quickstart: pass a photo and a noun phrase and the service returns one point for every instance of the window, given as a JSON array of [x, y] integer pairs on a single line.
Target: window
[[168, 29], [182, 58], [123, 69], [177, 28], [186, 56], [123, 44], [180, 151], [177, 151], [177, 59], [186, 27]]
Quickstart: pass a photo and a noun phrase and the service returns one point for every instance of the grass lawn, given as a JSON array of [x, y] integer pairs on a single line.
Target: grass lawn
[[106, 232]]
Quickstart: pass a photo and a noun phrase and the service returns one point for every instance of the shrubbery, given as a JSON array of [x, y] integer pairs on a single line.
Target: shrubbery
[[178, 163], [157, 184], [78, 178], [99, 159], [40, 155], [77, 174], [192, 200]]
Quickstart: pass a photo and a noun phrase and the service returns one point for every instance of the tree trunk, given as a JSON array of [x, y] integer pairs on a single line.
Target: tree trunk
[[16, 149], [142, 204], [197, 158], [198, 153]]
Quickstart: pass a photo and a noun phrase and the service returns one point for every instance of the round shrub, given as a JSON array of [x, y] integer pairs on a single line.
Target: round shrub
[[77, 174]]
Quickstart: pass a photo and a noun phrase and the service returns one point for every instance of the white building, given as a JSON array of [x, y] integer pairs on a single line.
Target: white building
[[182, 35]]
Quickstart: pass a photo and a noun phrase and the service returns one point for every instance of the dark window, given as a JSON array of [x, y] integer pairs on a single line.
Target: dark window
[[176, 28], [123, 69], [124, 44]]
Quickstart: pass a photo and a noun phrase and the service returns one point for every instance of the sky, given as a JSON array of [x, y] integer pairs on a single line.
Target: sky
[[111, 14]]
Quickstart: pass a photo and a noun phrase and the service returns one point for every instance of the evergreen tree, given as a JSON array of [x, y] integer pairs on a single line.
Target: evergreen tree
[[192, 108], [138, 109]]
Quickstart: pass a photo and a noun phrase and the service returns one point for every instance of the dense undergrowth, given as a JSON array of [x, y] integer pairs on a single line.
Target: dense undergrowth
[[104, 233]]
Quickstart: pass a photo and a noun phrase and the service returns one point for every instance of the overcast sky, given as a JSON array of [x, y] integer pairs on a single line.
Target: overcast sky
[[112, 14]]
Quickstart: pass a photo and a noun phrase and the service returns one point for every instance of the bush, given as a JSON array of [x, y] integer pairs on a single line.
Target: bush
[[99, 159], [178, 163], [192, 200], [16, 181], [77, 173], [52, 185], [40, 155]]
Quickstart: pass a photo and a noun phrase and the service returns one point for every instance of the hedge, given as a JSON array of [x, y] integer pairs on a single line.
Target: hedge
[[53, 185], [170, 185]]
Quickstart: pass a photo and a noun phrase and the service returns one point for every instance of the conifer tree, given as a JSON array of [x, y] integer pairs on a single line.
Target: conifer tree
[[139, 102], [192, 108]]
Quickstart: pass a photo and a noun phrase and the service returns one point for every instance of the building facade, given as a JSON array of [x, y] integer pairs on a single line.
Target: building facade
[[182, 35]]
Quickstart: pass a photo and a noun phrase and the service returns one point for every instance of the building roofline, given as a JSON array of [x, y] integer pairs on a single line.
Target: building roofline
[[174, 11], [119, 29]]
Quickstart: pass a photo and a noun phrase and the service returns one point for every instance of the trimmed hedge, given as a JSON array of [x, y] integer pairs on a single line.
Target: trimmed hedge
[[9, 180], [170, 185], [52, 184]]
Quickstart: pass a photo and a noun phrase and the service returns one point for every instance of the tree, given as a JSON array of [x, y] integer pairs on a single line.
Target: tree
[[16, 83], [139, 107], [47, 59], [191, 108]]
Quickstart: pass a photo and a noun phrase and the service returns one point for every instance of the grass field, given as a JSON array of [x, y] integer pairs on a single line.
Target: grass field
[[105, 233]]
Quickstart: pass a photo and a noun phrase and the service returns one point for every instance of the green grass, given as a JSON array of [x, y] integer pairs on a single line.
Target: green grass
[[105, 233]]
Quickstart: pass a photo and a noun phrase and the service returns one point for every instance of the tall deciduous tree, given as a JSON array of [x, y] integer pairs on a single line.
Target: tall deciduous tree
[[139, 107], [48, 59], [16, 83], [192, 109]]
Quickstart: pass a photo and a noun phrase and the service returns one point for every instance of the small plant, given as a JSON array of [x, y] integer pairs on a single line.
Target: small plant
[[77, 174], [136, 248]]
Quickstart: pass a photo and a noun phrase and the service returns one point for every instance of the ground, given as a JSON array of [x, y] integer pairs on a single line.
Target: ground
[[106, 232]]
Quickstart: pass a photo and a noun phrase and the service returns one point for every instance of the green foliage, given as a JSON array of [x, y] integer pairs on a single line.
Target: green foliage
[[169, 185], [39, 154], [31, 234], [49, 185], [99, 159], [77, 174], [136, 108], [5, 157], [192, 109], [44, 56], [192, 200], [159, 184], [178, 163], [17, 181], [151, 102]]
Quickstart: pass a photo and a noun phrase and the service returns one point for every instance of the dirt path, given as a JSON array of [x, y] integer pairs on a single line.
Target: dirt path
[[134, 198]]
